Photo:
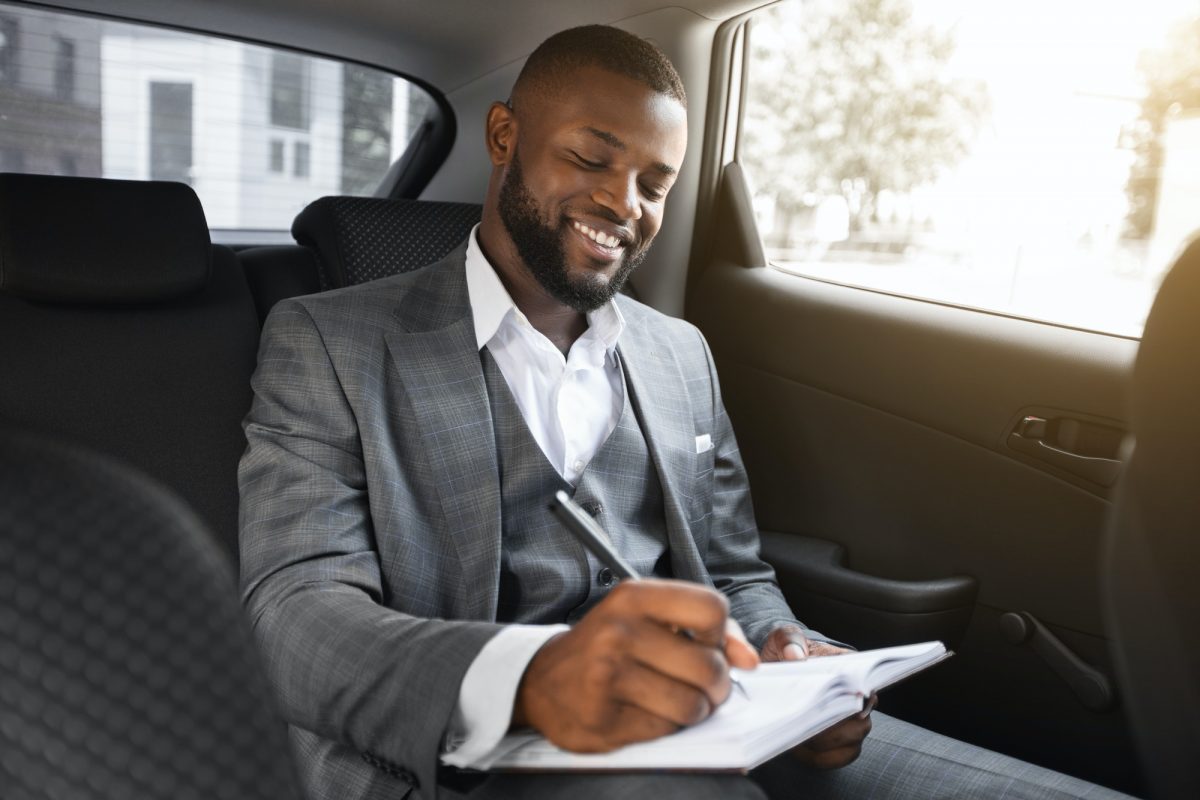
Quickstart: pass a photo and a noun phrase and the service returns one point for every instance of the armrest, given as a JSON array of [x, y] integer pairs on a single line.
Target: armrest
[[866, 610]]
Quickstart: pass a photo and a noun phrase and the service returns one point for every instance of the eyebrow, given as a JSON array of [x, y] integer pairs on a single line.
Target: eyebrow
[[614, 142]]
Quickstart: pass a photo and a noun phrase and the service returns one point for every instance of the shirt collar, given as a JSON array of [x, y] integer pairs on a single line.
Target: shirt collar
[[492, 306]]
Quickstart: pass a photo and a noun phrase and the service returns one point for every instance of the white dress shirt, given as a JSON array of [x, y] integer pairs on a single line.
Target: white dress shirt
[[571, 404]]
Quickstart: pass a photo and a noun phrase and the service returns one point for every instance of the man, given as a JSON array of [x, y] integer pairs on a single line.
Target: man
[[413, 596]]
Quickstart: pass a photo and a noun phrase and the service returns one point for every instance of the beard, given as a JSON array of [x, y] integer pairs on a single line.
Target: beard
[[540, 245]]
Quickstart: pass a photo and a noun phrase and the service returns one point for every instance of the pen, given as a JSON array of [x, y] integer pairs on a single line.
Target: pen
[[594, 538]]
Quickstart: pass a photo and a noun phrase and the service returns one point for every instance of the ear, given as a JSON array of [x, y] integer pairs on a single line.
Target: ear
[[501, 134]]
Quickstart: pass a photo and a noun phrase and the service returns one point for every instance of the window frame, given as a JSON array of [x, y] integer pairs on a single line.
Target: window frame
[[731, 55], [405, 178]]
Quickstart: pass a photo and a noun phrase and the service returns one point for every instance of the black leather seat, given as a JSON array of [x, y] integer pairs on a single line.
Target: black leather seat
[[1153, 559], [127, 669], [123, 328], [359, 239], [279, 271]]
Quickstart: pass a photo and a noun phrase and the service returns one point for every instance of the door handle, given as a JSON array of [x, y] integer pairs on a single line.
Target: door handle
[[1092, 687], [1046, 440]]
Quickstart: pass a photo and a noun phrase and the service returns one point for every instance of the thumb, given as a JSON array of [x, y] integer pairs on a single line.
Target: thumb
[[787, 643]]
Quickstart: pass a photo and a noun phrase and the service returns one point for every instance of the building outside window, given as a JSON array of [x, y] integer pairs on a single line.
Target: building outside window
[[256, 132], [8, 50], [171, 131], [301, 158], [64, 69], [289, 91], [277, 147]]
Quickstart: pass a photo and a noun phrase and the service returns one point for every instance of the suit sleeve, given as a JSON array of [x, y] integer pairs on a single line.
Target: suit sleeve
[[343, 664], [732, 559]]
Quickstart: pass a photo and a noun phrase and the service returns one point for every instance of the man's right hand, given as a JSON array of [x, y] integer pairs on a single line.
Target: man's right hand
[[626, 674]]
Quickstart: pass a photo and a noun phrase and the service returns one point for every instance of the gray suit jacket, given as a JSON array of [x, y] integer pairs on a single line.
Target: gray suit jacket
[[370, 515]]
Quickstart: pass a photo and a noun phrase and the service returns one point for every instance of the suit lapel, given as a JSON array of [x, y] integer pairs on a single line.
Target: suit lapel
[[660, 399], [439, 372]]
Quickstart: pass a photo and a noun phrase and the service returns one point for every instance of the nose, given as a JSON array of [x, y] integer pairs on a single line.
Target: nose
[[619, 194]]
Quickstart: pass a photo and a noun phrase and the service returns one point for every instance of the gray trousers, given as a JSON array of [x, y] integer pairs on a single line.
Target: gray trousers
[[898, 760]]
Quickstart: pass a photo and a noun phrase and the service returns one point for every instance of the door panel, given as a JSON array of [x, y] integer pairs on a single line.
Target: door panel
[[881, 423]]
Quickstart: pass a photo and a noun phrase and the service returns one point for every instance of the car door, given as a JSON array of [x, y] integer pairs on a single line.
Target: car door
[[924, 464]]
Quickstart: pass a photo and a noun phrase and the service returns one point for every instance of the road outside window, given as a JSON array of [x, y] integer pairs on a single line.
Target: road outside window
[[1035, 158]]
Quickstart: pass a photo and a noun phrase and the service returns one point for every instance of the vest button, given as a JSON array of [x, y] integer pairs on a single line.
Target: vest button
[[593, 508], [605, 577]]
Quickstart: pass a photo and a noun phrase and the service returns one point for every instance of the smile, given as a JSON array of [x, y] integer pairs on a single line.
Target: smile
[[605, 240]]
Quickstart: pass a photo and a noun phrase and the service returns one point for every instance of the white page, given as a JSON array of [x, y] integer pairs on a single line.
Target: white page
[[726, 740], [869, 670], [788, 703]]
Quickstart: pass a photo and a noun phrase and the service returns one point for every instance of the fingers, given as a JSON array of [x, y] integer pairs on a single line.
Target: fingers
[[628, 725], [836, 747], [674, 604], [839, 745], [738, 651], [655, 612], [849, 732], [828, 759], [872, 701], [822, 649], [626, 673], [664, 697], [680, 659]]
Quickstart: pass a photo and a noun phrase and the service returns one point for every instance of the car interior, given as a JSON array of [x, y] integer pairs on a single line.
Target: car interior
[[1022, 489]]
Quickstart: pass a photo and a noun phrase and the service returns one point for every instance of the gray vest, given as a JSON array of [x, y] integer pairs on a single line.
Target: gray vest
[[546, 576]]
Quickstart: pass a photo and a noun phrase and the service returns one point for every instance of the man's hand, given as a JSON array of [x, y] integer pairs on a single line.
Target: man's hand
[[841, 744], [626, 673]]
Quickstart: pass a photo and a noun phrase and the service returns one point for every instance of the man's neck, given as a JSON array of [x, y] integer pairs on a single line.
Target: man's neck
[[555, 320]]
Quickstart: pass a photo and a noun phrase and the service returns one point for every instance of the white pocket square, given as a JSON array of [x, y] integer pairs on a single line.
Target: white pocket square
[[703, 443]]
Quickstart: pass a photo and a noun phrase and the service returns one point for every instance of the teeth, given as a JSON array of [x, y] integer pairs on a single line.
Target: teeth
[[596, 236]]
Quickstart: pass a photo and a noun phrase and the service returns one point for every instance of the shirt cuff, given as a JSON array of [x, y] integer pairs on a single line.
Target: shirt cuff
[[488, 691]]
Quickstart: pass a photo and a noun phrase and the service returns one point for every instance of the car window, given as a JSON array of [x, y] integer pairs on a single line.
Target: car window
[[257, 132], [1032, 158]]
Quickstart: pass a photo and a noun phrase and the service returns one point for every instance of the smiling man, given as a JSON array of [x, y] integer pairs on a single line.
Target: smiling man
[[413, 595]]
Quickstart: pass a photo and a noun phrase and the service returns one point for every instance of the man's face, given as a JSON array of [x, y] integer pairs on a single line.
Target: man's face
[[583, 194]]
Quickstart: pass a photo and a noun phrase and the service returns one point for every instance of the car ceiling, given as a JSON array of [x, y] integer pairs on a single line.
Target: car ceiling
[[447, 43]]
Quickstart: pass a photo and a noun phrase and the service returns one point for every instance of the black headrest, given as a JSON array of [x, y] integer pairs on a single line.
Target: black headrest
[[359, 239], [91, 240]]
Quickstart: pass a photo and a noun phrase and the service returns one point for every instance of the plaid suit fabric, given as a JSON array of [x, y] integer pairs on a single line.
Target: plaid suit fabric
[[546, 575], [371, 508], [900, 761], [371, 546]]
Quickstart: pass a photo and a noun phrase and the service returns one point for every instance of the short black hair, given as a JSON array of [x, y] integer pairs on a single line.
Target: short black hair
[[602, 46]]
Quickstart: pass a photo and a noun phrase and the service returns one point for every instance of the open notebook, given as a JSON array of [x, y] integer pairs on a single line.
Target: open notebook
[[785, 704]]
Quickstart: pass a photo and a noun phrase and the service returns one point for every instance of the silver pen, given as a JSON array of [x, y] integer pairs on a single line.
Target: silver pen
[[596, 539]]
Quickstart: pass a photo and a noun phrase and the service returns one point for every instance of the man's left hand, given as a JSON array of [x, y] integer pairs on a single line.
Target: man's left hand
[[841, 744]]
